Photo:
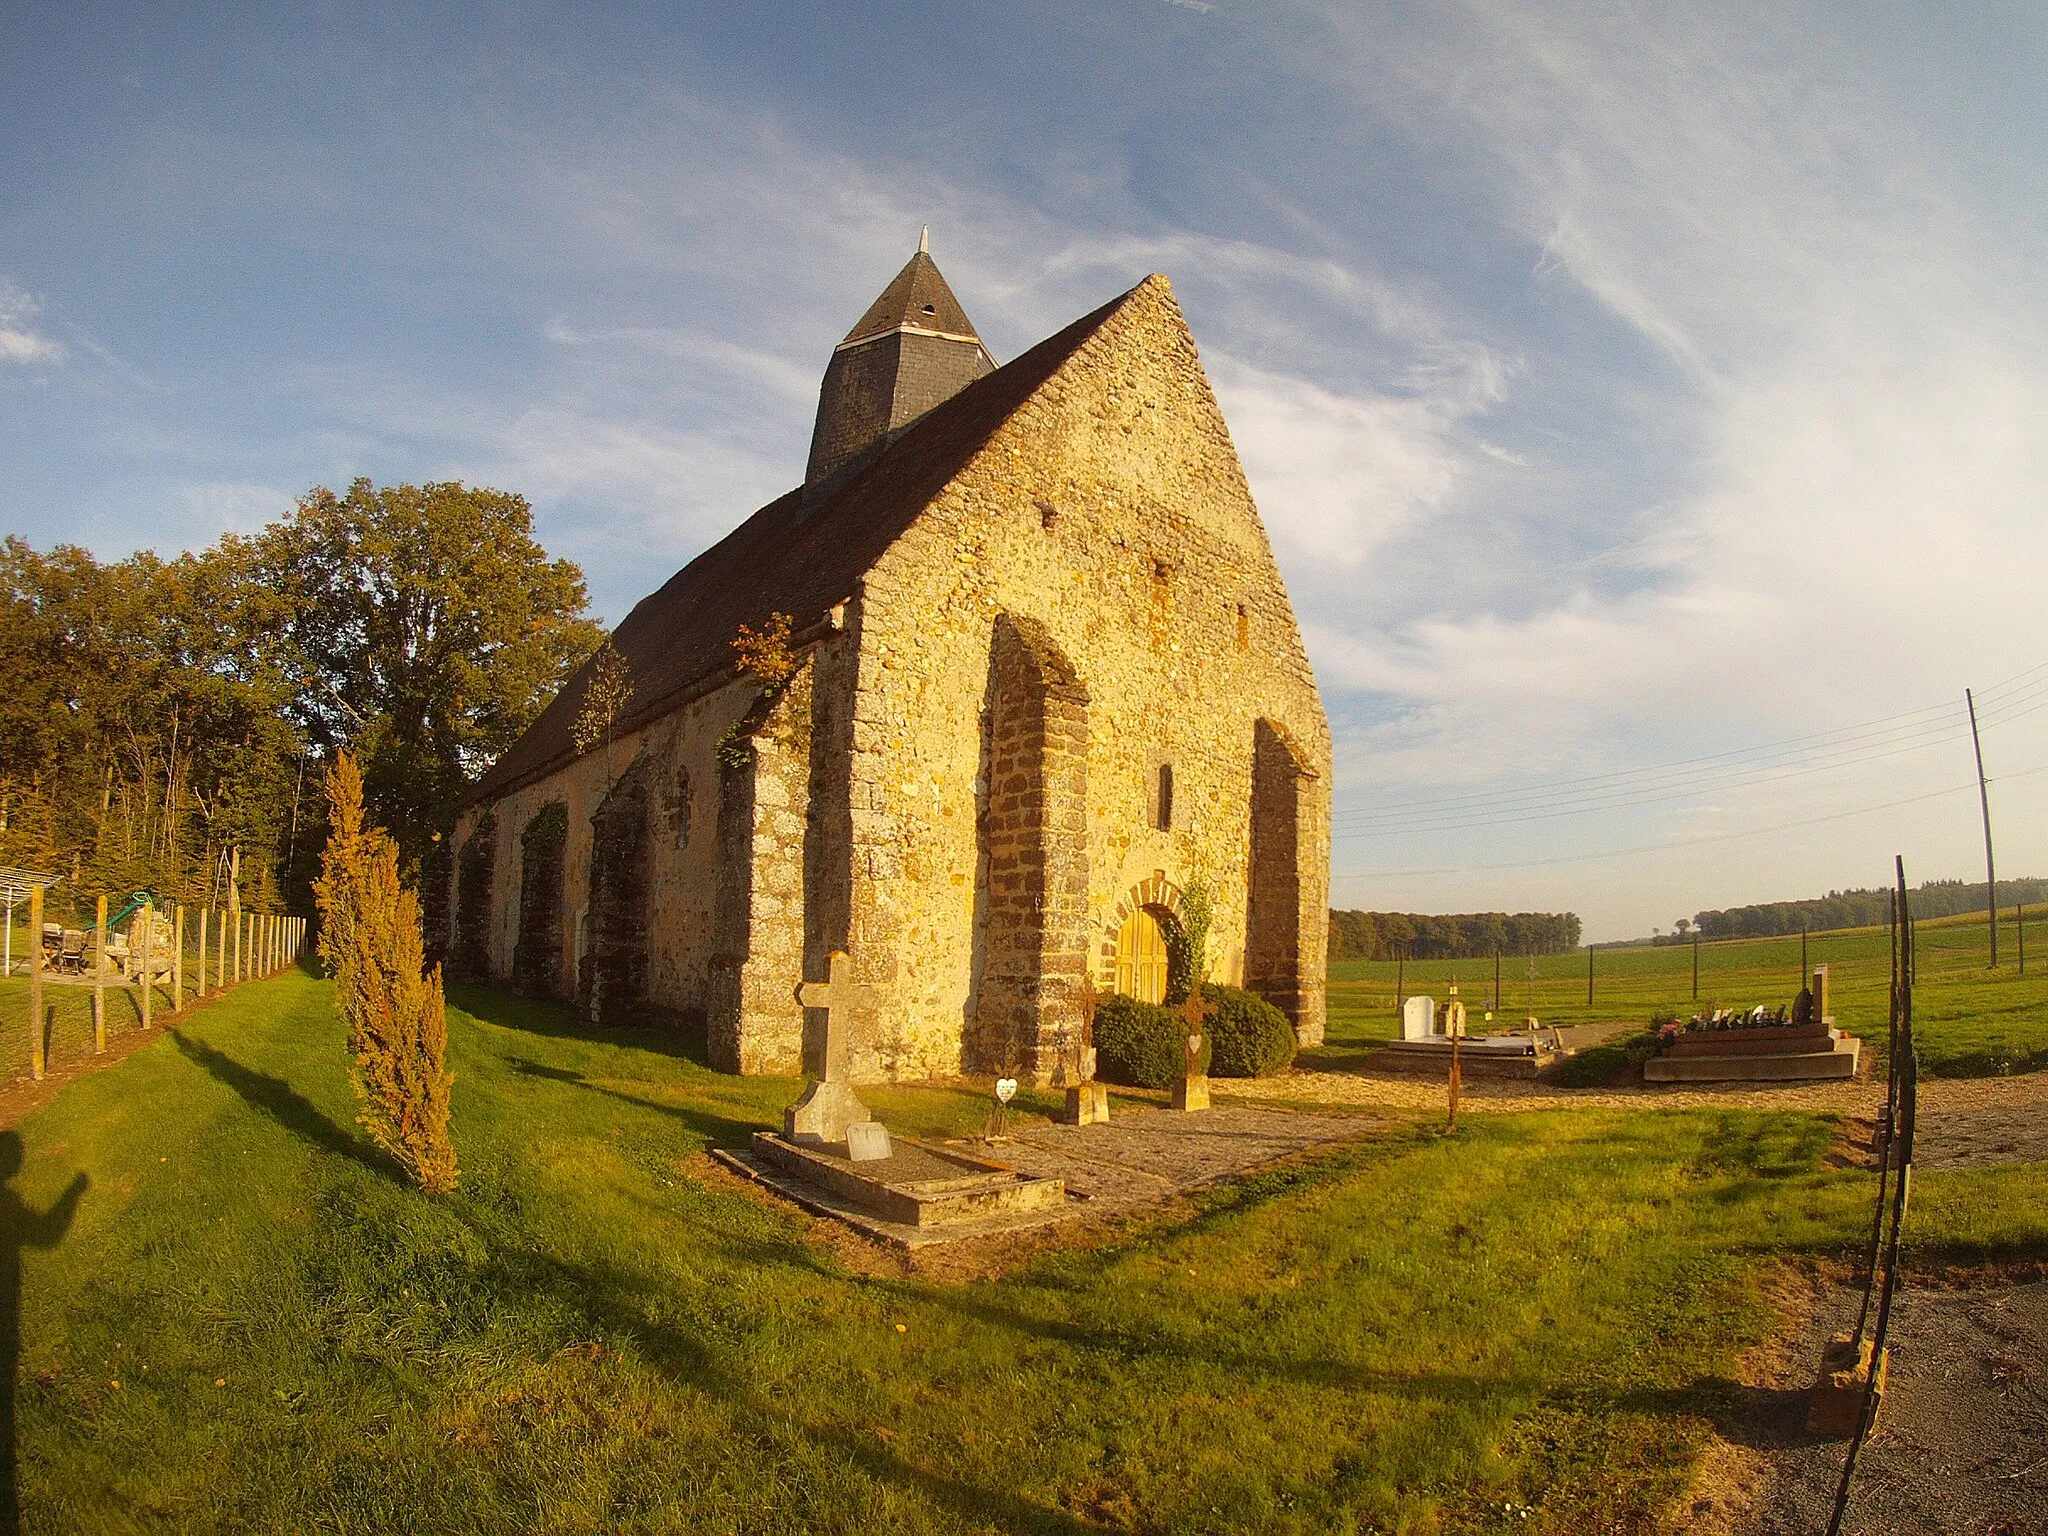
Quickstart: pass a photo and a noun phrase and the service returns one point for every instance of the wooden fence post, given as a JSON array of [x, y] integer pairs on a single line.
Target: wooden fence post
[[35, 981], [99, 979], [220, 952], [147, 916], [1589, 975], [178, 958], [238, 948]]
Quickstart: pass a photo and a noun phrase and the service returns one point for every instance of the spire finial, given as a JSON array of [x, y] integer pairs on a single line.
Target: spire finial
[[924, 241]]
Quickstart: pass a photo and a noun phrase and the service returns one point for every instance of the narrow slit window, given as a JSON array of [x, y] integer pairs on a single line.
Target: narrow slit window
[[1165, 821]]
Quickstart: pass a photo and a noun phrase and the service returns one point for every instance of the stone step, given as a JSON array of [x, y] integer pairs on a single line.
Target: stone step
[[1837, 1062], [1753, 1042]]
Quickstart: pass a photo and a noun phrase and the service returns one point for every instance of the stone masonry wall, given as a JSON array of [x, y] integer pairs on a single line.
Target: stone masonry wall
[[677, 759], [753, 1019], [1033, 931], [1112, 511]]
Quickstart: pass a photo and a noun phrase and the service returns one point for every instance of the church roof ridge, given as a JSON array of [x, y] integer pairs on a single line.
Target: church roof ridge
[[791, 557]]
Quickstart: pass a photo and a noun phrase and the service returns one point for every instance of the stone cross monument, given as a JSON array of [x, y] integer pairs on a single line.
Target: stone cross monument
[[829, 1106]]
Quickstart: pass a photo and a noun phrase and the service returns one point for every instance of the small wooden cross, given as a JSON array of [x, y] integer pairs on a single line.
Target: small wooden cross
[[838, 997]]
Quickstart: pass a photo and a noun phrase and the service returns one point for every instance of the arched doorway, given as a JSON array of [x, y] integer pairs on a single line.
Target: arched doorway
[[1142, 959]]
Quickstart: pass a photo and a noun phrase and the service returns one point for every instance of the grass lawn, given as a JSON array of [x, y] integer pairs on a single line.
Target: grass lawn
[[1970, 1021], [1419, 1334]]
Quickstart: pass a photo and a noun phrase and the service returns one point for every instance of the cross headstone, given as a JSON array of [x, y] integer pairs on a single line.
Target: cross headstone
[[829, 1105], [1418, 1018]]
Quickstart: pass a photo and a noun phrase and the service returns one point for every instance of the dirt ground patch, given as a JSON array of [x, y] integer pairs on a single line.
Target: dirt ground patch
[[1962, 1444]]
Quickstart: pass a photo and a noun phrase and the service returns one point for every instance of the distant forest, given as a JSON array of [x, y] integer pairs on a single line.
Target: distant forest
[[1851, 909], [1460, 936]]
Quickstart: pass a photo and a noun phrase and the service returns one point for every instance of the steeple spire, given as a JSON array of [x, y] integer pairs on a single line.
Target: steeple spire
[[914, 349]]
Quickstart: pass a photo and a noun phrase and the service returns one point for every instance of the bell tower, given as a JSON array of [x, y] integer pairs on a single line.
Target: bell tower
[[914, 349]]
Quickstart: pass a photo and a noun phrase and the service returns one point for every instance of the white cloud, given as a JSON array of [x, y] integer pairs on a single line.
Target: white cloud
[[20, 342]]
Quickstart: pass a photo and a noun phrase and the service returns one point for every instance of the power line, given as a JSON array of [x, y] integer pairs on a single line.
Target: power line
[[2018, 696], [1691, 842], [1621, 797]]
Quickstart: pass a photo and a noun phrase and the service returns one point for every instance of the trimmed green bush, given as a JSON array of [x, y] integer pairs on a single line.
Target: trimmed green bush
[[1140, 1045], [1249, 1036]]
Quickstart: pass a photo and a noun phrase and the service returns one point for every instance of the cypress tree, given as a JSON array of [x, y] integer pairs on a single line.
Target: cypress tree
[[397, 1020]]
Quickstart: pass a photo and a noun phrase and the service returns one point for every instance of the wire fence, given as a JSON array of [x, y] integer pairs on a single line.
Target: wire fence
[[1888, 1219], [70, 990]]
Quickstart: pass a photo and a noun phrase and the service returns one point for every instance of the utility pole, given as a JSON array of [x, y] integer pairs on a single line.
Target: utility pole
[[1984, 800]]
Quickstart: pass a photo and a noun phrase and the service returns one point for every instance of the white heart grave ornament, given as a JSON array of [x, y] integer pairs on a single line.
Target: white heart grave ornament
[[1006, 1089]]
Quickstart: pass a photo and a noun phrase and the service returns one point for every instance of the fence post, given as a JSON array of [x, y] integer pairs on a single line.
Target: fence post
[[1695, 965], [1589, 975], [178, 958], [35, 981], [220, 953], [99, 978], [238, 948], [147, 916]]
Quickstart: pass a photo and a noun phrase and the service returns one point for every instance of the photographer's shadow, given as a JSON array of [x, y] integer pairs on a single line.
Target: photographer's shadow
[[20, 1228]]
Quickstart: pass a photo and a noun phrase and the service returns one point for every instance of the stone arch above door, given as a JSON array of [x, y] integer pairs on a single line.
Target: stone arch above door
[[1156, 895]]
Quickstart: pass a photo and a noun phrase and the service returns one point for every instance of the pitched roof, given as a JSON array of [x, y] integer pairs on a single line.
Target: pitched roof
[[790, 557], [919, 298]]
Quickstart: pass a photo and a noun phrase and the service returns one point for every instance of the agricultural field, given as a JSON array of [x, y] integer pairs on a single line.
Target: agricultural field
[[1970, 1021], [253, 1323]]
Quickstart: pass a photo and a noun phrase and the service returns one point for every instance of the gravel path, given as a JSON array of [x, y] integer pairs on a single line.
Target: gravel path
[[1962, 1442], [2023, 1100]]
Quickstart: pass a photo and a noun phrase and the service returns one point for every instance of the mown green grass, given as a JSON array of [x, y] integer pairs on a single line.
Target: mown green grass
[[1970, 1021], [1415, 1334]]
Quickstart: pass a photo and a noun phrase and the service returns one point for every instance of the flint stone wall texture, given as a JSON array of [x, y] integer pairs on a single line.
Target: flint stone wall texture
[[960, 784]]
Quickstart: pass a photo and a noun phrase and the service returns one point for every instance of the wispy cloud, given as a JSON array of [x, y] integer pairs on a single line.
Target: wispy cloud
[[20, 341]]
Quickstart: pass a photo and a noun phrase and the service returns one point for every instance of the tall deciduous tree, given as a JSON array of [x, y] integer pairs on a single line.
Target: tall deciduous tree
[[429, 629]]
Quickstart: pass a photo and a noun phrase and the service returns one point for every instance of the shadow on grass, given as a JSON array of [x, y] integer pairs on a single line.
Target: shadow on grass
[[712, 1129], [621, 1306], [20, 1227], [283, 1103], [681, 1036]]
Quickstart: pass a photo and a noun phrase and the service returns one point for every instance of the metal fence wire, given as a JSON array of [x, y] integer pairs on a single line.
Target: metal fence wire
[[1895, 1149]]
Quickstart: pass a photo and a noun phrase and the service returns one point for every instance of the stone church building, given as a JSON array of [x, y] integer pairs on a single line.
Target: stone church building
[[1048, 684]]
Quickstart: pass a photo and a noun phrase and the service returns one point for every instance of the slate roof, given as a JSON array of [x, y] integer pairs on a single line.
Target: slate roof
[[790, 557], [917, 296]]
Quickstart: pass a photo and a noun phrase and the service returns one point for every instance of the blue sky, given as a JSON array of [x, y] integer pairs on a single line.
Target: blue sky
[[1623, 386]]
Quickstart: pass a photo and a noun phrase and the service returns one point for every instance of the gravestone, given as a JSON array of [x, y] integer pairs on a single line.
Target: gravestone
[[1418, 1018], [1087, 1099], [1450, 1014], [829, 1105], [867, 1141], [1192, 1091]]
